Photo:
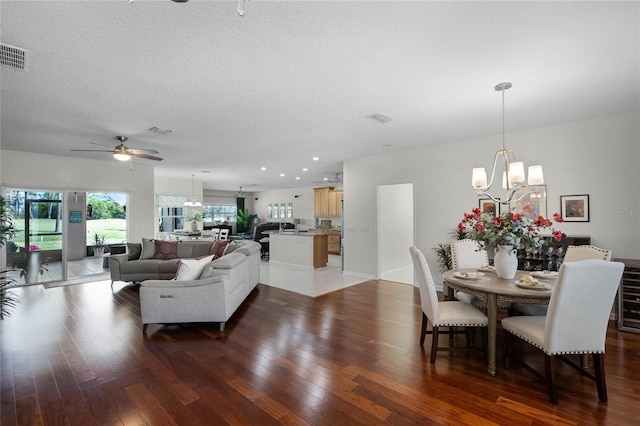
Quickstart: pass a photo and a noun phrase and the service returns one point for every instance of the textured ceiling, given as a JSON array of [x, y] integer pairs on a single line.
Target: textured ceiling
[[295, 79]]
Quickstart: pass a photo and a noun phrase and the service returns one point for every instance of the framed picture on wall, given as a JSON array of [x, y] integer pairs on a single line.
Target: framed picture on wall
[[487, 205], [574, 208], [532, 204]]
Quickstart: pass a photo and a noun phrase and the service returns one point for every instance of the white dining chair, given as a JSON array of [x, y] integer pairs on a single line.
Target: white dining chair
[[224, 234], [576, 321], [215, 233], [465, 253], [441, 314], [573, 254]]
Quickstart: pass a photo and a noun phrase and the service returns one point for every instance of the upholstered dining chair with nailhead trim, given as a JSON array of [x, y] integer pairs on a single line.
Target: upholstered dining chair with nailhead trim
[[576, 321], [441, 314]]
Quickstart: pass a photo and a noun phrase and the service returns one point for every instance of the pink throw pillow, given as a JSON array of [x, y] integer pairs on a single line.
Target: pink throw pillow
[[166, 250], [218, 247]]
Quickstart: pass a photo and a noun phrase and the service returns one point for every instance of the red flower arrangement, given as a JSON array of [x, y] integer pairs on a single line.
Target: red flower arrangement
[[509, 229]]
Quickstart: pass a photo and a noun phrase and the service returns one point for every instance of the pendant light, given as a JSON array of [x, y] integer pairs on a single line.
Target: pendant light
[[513, 176], [193, 202]]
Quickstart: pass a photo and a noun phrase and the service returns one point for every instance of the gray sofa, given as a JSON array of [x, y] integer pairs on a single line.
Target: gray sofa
[[213, 297], [129, 267]]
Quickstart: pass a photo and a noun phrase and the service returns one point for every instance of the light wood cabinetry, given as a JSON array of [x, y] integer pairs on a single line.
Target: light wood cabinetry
[[333, 242], [321, 202], [327, 202], [335, 203]]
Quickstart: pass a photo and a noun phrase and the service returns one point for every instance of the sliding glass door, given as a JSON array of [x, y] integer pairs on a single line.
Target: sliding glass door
[[34, 254]]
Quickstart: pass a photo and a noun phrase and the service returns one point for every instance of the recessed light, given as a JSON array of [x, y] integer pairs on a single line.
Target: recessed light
[[263, 168], [325, 179], [315, 158], [305, 169], [297, 177], [281, 174]]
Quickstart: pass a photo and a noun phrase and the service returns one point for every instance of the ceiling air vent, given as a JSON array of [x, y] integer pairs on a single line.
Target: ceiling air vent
[[13, 57], [380, 118], [159, 131]]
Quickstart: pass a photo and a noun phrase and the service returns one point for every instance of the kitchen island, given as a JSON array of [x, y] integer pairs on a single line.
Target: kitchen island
[[299, 248]]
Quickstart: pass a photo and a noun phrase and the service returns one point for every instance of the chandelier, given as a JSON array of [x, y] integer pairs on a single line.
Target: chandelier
[[193, 202], [513, 176]]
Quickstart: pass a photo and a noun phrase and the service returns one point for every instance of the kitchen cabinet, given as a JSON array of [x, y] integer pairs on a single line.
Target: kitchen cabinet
[[333, 241], [335, 203], [305, 249], [321, 202], [327, 202]]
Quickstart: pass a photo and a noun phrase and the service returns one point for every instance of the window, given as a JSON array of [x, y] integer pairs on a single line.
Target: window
[[106, 217], [280, 211], [218, 213], [171, 219]]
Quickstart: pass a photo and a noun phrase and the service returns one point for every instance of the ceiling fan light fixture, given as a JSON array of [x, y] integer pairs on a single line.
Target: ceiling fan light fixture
[[121, 156]]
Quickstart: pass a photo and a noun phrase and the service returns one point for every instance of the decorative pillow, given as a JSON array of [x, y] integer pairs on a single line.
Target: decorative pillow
[[218, 247], [148, 248], [165, 250], [231, 247], [190, 269], [134, 250]]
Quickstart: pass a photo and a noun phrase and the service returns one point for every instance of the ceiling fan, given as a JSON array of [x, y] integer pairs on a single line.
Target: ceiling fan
[[124, 153], [240, 193], [336, 180]]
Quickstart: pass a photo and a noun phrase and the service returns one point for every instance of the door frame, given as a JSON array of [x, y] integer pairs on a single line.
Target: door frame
[[378, 222]]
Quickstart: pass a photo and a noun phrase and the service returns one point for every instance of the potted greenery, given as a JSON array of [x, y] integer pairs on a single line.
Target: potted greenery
[[194, 217], [29, 262], [245, 221], [99, 245], [443, 250], [8, 299]]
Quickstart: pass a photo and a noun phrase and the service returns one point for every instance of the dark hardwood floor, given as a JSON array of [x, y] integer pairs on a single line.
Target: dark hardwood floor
[[76, 355]]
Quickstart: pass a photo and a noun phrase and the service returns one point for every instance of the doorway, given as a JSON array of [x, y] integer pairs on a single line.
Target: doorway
[[395, 232], [62, 236], [35, 253]]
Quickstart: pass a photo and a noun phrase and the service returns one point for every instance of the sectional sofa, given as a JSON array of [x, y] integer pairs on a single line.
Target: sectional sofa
[[210, 290]]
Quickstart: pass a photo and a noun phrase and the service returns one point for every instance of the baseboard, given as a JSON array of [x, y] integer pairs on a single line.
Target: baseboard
[[359, 275]]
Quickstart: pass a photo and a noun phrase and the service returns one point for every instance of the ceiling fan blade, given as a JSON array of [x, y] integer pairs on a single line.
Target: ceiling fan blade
[[99, 144], [92, 150], [142, 151], [146, 156]]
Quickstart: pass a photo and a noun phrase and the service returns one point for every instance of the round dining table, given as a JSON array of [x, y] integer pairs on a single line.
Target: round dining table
[[495, 291]]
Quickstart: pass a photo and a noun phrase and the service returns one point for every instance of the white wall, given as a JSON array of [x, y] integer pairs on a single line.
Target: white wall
[[227, 197], [599, 157], [302, 199], [40, 171]]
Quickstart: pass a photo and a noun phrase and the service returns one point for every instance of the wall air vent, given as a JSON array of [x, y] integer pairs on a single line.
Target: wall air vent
[[13, 57], [380, 118]]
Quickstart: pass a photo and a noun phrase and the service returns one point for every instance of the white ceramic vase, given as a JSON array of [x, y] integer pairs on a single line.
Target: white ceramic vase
[[33, 269], [194, 226], [506, 262]]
